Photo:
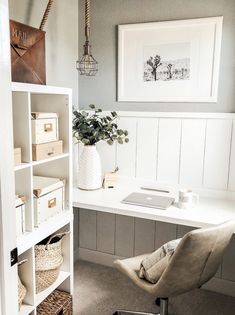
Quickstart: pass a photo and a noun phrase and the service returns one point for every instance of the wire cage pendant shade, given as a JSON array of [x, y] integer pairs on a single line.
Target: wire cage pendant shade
[[87, 65]]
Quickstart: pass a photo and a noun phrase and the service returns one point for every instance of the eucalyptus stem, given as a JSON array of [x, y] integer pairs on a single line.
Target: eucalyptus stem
[[90, 128]]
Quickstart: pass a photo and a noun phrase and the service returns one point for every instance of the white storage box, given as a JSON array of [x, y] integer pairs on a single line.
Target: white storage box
[[20, 214], [48, 198], [47, 150], [44, 127]]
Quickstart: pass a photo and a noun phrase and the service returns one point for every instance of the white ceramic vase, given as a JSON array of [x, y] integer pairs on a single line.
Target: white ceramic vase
[[89, 169]]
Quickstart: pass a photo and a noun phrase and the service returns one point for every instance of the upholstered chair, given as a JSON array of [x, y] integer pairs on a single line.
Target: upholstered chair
[[194, 262]]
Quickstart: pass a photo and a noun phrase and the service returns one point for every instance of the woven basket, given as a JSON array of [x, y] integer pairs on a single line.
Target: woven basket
[[58, 302], [21, 288], [48, 259], [21, 292]]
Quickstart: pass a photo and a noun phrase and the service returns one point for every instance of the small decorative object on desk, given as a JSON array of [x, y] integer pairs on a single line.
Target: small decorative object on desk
[[187, 199], [110, 179], [48, 260], [89, 129], [58, 302]]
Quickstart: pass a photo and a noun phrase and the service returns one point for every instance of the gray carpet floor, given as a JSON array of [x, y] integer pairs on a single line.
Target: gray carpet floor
[[101, 290]]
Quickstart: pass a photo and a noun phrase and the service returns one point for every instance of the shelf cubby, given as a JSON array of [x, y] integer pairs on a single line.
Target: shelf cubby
[[58, 168], [23, 186], [64, 279], [48, 227], [22, 124], [63, 276], [58, 104], [26, 274]]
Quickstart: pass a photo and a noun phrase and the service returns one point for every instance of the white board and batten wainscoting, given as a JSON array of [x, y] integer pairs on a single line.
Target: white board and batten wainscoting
[[196, 150], [189, 150]]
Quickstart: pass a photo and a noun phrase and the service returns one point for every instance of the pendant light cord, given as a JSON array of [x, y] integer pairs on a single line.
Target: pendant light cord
[[87, 19]]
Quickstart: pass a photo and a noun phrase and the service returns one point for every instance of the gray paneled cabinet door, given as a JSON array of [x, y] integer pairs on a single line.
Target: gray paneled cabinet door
[[105, 232], [165, 232], [124, 238], [87, 229], [144, 236]]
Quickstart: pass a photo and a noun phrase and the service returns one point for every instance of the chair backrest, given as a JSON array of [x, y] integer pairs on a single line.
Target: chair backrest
[[196, 259]]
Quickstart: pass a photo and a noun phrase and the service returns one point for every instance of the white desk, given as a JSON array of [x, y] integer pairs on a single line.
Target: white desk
[[210, 211]]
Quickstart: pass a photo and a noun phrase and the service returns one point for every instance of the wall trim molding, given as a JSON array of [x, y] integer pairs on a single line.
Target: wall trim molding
[[217, 285], [200, 115]]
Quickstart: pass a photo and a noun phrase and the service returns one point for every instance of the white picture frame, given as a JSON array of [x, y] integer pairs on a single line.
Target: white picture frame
[[188, 69]]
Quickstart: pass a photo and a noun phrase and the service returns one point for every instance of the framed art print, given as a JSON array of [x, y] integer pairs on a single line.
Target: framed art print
[[175, 61]]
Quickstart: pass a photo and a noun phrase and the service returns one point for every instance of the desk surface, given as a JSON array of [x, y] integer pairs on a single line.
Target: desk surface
[[209, 211]]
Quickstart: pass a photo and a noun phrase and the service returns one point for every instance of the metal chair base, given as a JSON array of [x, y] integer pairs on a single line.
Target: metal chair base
[[132, 313], [163, 309]]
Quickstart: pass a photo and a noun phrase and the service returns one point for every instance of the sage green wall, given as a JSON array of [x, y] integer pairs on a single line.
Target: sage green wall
[[61, 38], [107, 14]]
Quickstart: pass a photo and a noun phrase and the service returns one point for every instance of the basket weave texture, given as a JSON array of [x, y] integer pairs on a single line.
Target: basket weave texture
[[48, 259], [21, 292], [58, 302], [21, 288]]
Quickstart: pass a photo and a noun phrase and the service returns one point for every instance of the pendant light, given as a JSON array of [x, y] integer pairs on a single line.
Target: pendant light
[[87, 65]]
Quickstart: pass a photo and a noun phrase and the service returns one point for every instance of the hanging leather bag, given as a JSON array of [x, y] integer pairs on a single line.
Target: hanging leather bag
[[27, 54], [28, 63]]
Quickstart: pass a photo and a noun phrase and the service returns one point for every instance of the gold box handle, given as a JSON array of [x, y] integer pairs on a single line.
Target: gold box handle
[[48, 127], [52, 203]]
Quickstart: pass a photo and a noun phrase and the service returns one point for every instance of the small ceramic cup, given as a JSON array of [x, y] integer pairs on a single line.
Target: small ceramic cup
[[187, 199]]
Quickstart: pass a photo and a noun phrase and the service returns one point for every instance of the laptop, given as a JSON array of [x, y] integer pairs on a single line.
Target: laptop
[[147, 200]]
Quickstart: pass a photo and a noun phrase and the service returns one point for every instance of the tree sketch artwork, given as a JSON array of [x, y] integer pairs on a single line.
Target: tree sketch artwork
[[167, 62]]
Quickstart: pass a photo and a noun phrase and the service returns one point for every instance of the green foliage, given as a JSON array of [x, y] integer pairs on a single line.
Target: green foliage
[[92, 128]]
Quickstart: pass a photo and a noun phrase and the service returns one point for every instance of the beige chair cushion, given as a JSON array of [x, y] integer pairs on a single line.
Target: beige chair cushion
[[152, 267]]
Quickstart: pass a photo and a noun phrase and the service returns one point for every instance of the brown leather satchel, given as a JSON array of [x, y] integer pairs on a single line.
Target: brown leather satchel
[[27, 54]]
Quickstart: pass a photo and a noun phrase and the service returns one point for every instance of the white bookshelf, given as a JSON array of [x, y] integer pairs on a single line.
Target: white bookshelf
[[27, 98]]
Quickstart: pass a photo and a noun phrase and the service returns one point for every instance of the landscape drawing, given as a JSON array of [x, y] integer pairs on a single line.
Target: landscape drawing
[[167, 62]]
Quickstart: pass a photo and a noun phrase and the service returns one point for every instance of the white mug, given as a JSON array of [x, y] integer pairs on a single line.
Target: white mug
[[187, 199]]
